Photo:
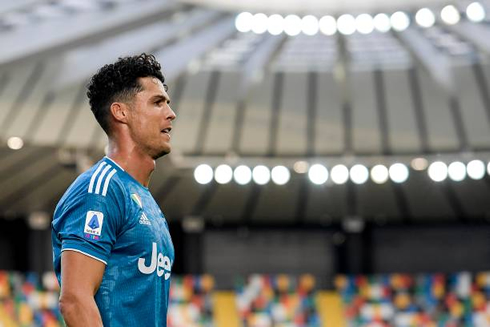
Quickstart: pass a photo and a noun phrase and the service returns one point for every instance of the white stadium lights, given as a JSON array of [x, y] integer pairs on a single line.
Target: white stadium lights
[[242, 175], [457, 171], [280, 175], [339, 174], [301, 167], [203, 174], [346, 24], [309, 25], [400, 21], [475, 169], [223, 174], [275, 24], [475, 12], [15, 143], [318, 174], [359, 174], [419, 164], [261, 175], [292, 25], [379, 174], [450, 15], [382, 23], [438, 171], [364, 24], [328, 25], [488, 168], [244, 22], [425, 18], [398, 173], [259, 25]]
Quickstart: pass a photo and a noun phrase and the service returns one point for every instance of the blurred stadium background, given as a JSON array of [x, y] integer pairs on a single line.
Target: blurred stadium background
[[330, 162]]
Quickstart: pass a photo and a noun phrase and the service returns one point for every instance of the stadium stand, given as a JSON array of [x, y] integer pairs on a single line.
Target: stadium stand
[[277, 301], [400, 300], [191, 302]]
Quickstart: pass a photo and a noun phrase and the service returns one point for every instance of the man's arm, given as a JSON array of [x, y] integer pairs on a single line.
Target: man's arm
[[80, 280]]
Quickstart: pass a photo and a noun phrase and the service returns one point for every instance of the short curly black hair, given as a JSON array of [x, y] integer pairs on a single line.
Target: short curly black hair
[[119, 82]]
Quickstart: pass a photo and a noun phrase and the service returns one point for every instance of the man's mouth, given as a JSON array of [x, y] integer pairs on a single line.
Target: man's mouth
[[167, 131]]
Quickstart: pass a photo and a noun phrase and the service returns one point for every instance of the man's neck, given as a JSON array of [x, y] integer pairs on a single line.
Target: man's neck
[[135, 163]]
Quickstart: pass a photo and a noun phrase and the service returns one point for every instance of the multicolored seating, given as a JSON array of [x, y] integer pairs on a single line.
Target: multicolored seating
[[25, 300], [425, 300], [280, 301], [191, 302]]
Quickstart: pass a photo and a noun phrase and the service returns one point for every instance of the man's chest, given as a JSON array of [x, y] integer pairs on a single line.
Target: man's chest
[[146, 231]]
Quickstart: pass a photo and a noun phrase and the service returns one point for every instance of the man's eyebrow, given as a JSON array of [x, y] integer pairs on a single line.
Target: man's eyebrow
[[160, 97]]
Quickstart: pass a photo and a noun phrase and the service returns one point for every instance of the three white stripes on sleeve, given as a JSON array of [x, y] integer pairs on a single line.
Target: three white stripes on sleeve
[[100, 178]]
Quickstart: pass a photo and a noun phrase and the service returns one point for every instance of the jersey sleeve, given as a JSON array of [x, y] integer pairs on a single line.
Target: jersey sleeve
[[89, 223]]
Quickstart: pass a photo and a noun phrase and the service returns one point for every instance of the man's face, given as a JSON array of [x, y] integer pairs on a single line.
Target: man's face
[[151, 118]]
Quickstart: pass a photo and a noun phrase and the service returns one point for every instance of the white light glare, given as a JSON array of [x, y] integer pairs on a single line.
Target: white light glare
[[339, 174], [259, 23], [318, 174], [359, 174], [203, 174], [399, 21], [223, 174], [15, 143], [438, 171], [475, 169], [292, 25], [301, 167], [379, 174], [398, 173], [261, 175], [280, 175], [382, 23], [328, 25], [419, 164], [364, 23], [346, 24], [450, 15], [275, 24], [457, 171], [244, 21], [309, 25], [425, 18], [242, 175], [488, 168], [475, 12]]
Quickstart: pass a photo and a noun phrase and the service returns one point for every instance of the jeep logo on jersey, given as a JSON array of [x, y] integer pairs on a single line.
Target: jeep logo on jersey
[[159, 263]]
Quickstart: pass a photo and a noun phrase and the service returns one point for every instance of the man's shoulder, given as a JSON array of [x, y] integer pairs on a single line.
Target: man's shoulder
[[102, 180]]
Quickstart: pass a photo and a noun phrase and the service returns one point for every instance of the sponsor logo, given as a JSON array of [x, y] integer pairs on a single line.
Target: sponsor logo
[[93, 224], [159, 263], [144, 220]]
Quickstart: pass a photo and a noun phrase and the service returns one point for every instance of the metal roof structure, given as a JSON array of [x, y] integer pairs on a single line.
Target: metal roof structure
[[244, 98]]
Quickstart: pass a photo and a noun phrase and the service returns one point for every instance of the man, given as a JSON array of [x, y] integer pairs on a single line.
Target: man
[[111, 244]]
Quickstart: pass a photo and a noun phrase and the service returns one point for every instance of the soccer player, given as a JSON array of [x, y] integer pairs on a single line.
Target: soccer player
[[112, 249]]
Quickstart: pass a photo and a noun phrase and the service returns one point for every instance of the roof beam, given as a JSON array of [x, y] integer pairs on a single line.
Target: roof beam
[[61, 35], [79, 64], [254, 67], [175, 59], [437, 63], [478, 34]]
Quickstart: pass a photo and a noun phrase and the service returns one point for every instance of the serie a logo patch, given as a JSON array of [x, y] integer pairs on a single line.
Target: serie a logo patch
[[93, 224]]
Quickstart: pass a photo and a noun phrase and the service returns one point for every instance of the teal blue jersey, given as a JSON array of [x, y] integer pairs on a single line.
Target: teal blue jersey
[[109, 216]]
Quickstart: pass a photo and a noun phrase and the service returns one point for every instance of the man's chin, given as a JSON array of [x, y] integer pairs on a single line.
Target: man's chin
[[162, 153]]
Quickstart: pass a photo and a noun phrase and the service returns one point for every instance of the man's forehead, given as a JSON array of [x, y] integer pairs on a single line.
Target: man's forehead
[[153, 84]]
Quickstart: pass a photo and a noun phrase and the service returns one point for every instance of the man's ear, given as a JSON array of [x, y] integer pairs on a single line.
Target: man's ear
[[119, 112]]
